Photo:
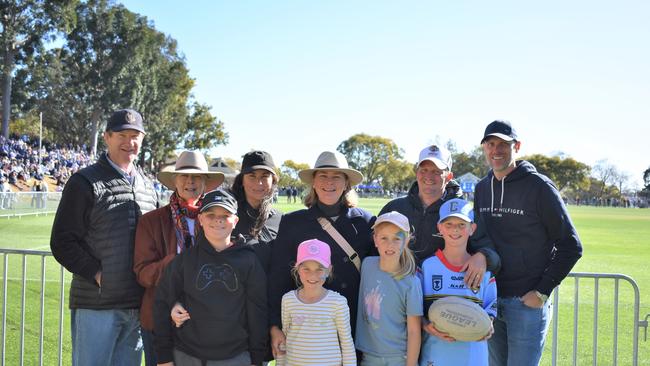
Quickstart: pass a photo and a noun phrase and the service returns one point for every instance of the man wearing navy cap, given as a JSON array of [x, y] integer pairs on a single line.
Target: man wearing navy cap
[[526, 219], [93, 237]]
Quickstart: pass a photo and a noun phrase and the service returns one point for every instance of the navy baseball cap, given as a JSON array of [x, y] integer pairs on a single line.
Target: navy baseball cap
[[457, 208], [125, 119], [500, 129], [219, 198]]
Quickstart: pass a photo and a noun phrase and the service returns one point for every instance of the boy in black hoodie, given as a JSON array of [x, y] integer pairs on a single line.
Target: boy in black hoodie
[[527, 221], [222, 286]]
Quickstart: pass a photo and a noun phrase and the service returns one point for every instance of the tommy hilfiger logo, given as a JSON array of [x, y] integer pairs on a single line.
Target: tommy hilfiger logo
[[499, 211]]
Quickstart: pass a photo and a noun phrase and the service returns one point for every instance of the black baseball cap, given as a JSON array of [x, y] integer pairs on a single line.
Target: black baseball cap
[[257, 160], [220, 198], [500, 129], [125, 119]]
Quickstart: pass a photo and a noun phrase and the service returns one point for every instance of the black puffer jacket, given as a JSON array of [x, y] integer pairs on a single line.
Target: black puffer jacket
[[94, 230], [426, 239]]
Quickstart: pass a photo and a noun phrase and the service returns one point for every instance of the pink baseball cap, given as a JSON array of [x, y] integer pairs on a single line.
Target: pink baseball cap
[[314, 250]]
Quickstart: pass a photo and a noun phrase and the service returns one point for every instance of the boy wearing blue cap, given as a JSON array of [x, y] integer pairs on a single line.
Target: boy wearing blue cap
[[442, 277]]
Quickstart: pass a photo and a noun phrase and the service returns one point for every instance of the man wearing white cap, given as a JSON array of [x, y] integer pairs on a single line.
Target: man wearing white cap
[[422, 205]]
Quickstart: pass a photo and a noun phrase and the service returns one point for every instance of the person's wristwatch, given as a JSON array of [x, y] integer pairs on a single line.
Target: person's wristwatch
[[541, 296]]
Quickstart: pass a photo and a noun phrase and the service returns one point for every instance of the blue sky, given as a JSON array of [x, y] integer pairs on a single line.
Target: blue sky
[[298, 77]]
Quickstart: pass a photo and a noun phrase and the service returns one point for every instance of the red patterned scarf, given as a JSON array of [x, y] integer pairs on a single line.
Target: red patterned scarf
[[180, 210]]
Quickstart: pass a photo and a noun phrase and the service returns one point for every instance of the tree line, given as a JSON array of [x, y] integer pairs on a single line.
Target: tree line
[[382, 162], [77, 62]]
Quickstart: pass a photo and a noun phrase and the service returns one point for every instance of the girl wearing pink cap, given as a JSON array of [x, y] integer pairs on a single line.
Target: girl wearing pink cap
[[316, 321]]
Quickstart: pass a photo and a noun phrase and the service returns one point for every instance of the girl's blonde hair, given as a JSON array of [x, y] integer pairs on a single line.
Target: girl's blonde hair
[[296, 277], [407, 264]]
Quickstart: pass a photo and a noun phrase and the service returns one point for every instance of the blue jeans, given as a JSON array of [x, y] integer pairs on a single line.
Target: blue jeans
[[106, 337], [519, 333], [149, 350]]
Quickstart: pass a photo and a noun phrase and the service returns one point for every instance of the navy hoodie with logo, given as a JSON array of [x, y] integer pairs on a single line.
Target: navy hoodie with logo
[[527, 221]]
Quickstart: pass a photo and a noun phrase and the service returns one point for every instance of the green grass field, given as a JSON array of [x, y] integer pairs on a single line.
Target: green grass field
[[615, 241]]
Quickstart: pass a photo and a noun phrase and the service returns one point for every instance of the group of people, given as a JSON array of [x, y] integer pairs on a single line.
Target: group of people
[[219, 277], [19, 161], [292, 193]]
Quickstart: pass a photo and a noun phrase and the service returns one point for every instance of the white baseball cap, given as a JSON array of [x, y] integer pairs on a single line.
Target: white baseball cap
[[394, 218], [440, 156]]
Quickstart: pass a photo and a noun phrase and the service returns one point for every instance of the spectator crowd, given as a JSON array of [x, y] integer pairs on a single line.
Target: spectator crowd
[[20, 166]]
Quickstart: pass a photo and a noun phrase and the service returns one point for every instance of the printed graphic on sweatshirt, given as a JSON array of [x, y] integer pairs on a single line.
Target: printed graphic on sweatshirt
[[212, 273]]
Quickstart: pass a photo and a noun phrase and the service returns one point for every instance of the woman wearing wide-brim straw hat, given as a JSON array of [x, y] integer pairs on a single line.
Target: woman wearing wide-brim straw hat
[[331, 199], [169, 230]]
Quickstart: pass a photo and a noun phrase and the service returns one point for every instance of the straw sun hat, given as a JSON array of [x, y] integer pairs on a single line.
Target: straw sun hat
[[191, 162], [333, 161]]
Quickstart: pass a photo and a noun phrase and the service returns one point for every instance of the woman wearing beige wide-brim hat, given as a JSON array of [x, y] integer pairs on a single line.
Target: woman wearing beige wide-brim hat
[[169, 230], [331, 201]]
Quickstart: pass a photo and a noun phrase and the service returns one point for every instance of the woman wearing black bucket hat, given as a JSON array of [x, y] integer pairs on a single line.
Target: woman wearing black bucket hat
[[332, 217], [253, 188]]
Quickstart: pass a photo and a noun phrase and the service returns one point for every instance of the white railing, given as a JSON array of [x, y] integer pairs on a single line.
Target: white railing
[[25, 277], [14, 204]]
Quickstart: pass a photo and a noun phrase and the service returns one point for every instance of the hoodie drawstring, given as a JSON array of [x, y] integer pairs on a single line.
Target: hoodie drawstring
[[503, 190], [492, 192]]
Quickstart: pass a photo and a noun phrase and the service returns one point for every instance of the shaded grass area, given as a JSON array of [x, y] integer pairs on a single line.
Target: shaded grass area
[[615, 241]]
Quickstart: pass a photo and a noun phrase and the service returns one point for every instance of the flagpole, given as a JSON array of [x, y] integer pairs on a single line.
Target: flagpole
[[40, 138]]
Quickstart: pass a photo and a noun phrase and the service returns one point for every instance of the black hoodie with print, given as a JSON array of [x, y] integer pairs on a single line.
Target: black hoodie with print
[[527, 221], [224, 293]]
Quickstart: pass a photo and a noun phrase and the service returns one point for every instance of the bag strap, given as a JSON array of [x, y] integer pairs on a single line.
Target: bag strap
[[340, 240]]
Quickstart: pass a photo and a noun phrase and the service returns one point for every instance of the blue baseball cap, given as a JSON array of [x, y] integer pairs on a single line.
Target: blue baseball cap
[[457, 208]]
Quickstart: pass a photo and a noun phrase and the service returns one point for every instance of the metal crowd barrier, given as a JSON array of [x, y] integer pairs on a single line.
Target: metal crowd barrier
[[23, 279], [18, 204], [597, 277], [637, 324]]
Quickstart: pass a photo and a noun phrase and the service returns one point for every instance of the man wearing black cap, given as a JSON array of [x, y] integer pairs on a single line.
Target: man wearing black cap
[[527, 221], [93, 237]]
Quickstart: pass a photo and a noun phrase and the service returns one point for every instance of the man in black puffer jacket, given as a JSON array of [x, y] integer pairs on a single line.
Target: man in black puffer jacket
[[93, 237], [434, 185]]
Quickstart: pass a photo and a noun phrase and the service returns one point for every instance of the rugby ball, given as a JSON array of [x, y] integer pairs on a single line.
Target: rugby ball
[[460, 318]]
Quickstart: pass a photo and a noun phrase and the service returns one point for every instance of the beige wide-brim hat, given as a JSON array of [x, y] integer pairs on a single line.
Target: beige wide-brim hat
[[191, 162], [333, 161]]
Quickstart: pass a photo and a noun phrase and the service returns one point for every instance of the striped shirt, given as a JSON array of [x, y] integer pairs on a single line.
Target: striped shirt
[[318, 333]]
